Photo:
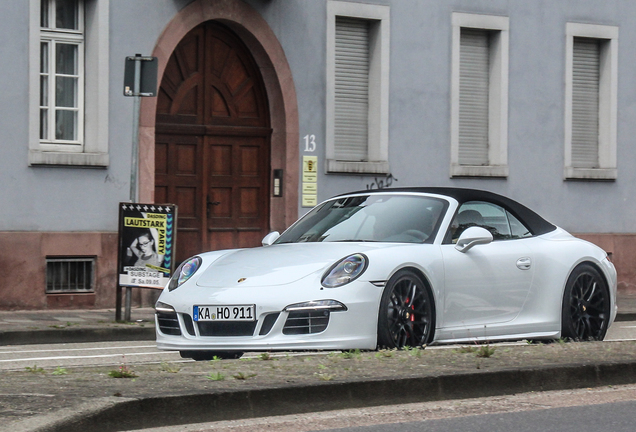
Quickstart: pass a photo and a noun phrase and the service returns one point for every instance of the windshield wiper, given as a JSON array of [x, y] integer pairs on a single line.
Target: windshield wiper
[[356, 241]]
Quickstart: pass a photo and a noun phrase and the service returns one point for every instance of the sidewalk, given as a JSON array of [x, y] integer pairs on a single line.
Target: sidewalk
[[95, 325], [80, 325]]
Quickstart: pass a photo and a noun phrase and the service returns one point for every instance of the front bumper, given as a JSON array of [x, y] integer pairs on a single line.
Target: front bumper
[[275, 328]]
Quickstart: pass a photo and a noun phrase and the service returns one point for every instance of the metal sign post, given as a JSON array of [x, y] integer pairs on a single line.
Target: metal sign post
[[140, 79]]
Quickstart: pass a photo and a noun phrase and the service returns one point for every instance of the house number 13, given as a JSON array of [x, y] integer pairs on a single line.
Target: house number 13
[[310, 143]]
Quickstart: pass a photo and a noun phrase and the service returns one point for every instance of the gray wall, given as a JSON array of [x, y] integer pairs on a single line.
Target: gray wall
[[75, 199]]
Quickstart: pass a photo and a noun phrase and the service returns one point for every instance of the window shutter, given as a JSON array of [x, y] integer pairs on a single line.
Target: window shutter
[[351, 89], [473, 96], [585, 102]]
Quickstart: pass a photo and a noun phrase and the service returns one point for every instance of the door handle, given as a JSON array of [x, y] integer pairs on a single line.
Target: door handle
[[524, 263], [210, 203]]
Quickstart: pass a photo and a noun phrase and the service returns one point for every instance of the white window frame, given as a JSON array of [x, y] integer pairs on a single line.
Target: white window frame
[[91, 147], [608, 101], [52, 143], [378, 131], [498, 95]]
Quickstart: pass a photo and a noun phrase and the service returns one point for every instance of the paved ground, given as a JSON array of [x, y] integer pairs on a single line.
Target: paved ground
[[59, 326], [89, 399]]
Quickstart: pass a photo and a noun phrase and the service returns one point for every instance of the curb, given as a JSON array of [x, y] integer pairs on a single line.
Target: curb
[[110, 415], [77, 335], [625, 317]]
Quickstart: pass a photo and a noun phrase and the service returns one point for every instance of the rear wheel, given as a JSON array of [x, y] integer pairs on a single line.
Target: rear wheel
[[586, 305], [210, 355], [406, 312]]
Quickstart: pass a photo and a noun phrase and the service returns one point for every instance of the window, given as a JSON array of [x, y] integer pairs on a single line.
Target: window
[[376, 218], [479, 96], [61, 74], [591, 100], [357, 87], [68, 51], [69, 275], [499, 221]]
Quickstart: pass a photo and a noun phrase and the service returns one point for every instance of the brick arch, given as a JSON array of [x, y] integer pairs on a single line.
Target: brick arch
[[279, 84]]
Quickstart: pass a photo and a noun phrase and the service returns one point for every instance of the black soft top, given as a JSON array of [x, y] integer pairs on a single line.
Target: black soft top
[[535, 223]]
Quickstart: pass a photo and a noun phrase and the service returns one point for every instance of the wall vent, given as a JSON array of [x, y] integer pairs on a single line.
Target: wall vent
[[70, 275]]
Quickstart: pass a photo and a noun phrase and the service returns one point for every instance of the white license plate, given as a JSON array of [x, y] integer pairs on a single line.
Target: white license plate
[[224, 313]]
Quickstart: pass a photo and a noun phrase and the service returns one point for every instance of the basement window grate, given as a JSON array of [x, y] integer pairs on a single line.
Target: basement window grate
[[69, 275]]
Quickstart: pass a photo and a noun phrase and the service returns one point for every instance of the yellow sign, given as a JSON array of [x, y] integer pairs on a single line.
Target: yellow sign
[[310, 181], [310, 200], [310, 188], [145, 223], [310, 164], [310, 178]]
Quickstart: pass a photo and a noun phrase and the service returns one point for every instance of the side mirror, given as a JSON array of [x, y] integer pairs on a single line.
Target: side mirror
[[270, 238], [473, 236]]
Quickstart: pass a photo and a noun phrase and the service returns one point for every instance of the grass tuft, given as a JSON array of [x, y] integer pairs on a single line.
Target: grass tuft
[[485, 351], [123, 372], [215, 376]]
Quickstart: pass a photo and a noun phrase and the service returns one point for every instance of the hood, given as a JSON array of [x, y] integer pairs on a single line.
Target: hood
[[277, 264]]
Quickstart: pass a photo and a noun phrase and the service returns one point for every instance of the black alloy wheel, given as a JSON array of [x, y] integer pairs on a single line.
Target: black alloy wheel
[[406, 316], [586, 305]]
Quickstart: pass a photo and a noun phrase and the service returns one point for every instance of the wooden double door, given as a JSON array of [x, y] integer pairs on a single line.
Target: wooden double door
[[212, 142]]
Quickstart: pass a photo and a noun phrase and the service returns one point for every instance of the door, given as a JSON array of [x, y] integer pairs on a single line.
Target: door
[[487, 284], [212, 142], [235, 203]]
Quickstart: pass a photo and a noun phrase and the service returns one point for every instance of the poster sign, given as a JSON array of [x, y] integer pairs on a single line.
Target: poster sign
[[146, 244]]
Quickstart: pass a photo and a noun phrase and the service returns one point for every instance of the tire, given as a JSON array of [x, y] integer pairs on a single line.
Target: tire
[[210, 355], [407, 313], [586, 305]]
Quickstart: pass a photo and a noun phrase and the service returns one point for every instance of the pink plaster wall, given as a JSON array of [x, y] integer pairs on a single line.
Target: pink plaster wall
[[23, 266], [622, 248]]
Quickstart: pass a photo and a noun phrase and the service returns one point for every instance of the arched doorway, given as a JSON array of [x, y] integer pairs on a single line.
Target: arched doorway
[[212, 142]]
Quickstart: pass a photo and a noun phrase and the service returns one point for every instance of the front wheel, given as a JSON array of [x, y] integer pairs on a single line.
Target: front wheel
[[586, 305], [406, 316]]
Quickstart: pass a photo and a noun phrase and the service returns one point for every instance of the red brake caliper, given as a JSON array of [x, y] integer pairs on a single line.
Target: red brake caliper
[[412, 314]]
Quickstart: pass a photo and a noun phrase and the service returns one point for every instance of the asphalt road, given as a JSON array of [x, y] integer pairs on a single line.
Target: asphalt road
[[18, 357], [604, 408], [616, 417]]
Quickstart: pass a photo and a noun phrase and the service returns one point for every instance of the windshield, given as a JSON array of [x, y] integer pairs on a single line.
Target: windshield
[[374, 217]]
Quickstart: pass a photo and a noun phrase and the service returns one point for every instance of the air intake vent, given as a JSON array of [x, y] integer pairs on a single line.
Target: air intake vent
[[187, 320], [168, 323], [236, 328], [268, 323], [306, 322]]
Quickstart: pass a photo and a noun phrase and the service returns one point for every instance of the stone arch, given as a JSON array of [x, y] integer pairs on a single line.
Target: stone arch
[[272, 62]]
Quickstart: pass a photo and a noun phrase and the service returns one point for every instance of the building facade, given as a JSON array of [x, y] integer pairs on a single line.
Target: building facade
[[265, 108]]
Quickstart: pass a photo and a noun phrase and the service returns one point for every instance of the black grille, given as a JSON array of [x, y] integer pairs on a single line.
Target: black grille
[[168, 323], [268, 323], [306, 322], [233, 328]]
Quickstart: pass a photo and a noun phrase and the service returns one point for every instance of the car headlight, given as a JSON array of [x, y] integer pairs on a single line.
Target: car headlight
[[184, 272], [345, 271]]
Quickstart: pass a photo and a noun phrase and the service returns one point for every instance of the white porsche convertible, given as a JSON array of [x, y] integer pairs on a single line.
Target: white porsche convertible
[[392, 268]]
